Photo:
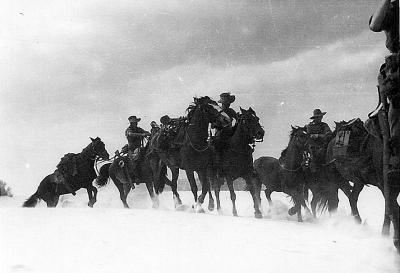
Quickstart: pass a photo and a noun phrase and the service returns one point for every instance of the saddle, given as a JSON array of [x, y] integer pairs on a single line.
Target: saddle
[[350, 139], [67, 166]]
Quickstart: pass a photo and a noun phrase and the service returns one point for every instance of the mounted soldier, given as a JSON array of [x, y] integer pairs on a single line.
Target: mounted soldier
[[319, 133], [386, 18], [223, 133], [135, 136]]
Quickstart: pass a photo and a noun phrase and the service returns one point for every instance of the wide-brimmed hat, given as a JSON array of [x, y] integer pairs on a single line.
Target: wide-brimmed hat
[[226, 98], [317, 113], [134, 119], [165, 119]]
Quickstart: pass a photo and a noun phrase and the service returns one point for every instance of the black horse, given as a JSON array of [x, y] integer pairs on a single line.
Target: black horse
[[364, 167], [118, 172], [49, 190], [194, 153], [286, 173], [322, 178], [237, 160]]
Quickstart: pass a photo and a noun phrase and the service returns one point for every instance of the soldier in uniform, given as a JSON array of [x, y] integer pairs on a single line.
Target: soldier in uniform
[[386, 18], [222, 134], [134, 135], [319, 133]]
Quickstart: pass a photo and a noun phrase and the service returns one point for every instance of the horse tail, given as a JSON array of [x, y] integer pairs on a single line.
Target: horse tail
[[159, 187], [322, 203], [104, 174], [32, 201]]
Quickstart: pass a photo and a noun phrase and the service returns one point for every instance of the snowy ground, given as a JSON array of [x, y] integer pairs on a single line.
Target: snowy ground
[[108, 238]]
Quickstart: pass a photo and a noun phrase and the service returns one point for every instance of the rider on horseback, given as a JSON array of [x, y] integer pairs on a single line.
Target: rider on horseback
[[319, 133], [223, 133], [134, 135]]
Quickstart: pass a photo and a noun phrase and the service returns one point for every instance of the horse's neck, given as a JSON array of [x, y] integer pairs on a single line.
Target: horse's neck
[[292, 156], [198, 127], [87, 156], [238, 138]]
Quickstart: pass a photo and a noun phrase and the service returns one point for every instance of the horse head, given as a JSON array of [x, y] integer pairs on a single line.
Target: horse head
[[97, 148], [250, 123], [298, 136], [208, 109]]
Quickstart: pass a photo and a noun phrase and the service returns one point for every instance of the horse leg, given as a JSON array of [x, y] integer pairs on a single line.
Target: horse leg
[[217, 189], [229, 181], [298, 209], [255, 189], [358, 186], [90, 193], [122, 195], [314, 202], [174, 186], [268, 193], [192, 182], [205, 186], [153, 196], [333, 199], [211, 203]]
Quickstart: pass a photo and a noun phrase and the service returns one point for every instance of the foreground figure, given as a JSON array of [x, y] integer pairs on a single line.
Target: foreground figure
[[76, 171]]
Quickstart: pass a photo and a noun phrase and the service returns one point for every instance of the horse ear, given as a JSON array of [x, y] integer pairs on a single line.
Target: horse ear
[[251, 109], [242, 110], [292, 127], [92, 139]]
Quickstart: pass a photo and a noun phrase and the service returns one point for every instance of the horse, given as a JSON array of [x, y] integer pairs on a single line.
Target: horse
[[322, 179], [49, 190], [286, 173], [165, 147], [237, 161], [118, 172], [363, 167], [193, 153]]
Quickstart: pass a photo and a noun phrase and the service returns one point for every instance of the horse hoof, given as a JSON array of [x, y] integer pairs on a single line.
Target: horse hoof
[[258, 215], [90, 205], [211, 207], [292, 211], [236, 214]]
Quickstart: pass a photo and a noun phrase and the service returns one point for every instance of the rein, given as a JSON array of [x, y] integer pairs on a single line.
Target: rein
[[194, 148], [289, 170]]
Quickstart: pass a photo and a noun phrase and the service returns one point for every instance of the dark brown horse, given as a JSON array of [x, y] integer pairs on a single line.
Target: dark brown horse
[[237, 160], [118, 171], [286, 173], [195, 154], [50, 191], [322, 179], [364, 167]]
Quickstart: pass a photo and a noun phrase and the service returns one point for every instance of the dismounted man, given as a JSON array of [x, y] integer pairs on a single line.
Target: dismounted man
[[386, 18], [134, 135], [318, 132]]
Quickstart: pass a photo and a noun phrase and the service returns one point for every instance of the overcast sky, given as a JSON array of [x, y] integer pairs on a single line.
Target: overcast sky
[[70, 70]]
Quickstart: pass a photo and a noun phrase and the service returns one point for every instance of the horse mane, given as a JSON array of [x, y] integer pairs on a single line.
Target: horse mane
[[291, 134], [198, 101]]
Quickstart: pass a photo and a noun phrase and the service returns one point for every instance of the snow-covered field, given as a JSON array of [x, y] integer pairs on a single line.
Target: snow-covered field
[[108, 238]]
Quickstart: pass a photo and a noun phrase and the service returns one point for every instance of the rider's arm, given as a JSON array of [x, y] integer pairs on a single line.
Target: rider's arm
[[378, 18]]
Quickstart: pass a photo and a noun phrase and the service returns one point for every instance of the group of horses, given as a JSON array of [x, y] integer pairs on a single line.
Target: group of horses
[[290, 173]]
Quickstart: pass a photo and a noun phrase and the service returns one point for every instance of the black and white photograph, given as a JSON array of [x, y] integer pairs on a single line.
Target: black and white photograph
[[199, 136]]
